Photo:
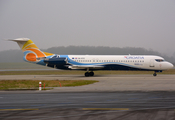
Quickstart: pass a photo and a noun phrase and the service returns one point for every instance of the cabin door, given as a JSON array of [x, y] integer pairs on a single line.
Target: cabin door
[[152, 63]]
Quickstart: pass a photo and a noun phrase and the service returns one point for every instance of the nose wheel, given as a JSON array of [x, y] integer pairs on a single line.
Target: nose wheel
[[87, 74], [155, 74]]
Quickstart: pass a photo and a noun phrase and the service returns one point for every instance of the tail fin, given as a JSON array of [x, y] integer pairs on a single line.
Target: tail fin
[[31, 52]]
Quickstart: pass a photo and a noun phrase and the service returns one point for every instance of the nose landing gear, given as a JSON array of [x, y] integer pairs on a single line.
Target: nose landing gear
[[155, 74]]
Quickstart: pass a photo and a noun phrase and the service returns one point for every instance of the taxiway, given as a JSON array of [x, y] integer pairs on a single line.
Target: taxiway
[[107, 83]]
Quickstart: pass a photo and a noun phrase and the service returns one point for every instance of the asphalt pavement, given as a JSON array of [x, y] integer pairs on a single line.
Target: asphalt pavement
[[87, 105], [121, 97]]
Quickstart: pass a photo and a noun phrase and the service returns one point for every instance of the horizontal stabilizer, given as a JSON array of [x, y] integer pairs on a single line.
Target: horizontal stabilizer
[[19, 39]]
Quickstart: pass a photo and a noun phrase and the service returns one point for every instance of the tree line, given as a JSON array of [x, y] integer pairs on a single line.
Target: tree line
[[17, 55]]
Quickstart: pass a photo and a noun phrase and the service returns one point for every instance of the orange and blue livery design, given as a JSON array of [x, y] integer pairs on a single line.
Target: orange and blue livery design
[[31, 52]]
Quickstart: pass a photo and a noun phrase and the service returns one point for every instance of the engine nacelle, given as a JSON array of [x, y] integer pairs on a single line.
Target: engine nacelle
[[56, 61]]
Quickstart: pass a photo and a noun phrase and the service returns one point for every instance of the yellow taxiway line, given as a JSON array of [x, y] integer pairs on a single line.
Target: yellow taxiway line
[[18, 109], [105, 108]]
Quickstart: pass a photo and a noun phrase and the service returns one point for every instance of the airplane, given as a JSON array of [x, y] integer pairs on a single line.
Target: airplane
[[90, 63]]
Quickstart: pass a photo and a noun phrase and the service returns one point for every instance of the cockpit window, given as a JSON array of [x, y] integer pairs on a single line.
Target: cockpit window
[[159, 60]]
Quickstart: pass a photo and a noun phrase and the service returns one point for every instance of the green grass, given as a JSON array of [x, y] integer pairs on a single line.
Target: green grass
[[69, 72], [34, 84]]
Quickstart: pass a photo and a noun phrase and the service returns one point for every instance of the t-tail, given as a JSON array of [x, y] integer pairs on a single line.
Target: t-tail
[[31, 52]]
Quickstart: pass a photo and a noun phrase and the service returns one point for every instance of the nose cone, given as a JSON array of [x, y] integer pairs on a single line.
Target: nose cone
[[170, 65]]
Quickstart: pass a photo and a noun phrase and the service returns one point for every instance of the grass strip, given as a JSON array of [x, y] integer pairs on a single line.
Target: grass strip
[[34, 84]]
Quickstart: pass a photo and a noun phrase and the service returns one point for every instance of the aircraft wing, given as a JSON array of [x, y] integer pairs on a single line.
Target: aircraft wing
[[86, 67]]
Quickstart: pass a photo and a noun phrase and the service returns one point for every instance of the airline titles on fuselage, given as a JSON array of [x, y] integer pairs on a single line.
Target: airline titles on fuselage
[[134, 57]]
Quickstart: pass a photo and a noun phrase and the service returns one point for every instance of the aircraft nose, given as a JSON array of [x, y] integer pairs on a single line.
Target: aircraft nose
[[170, 66]]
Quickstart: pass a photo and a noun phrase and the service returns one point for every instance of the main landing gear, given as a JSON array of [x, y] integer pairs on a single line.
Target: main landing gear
[[87, 74]]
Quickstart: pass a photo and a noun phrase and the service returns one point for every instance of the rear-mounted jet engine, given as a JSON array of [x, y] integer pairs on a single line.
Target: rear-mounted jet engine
[[56, 61]]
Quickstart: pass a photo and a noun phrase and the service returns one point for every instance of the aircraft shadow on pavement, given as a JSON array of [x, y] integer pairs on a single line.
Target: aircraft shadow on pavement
[[75, 76]]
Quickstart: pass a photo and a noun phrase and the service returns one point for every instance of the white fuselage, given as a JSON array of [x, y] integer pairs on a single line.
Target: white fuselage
[[146, 62]]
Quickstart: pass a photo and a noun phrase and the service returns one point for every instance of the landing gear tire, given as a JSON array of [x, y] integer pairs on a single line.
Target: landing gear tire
[[86, 74], [91, 73], [154, 74]]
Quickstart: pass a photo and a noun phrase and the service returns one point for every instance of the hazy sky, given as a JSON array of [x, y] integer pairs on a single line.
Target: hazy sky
[[116, 23]]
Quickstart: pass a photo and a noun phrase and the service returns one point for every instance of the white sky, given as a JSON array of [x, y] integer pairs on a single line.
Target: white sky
[[116, 23]]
